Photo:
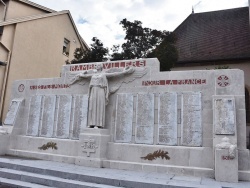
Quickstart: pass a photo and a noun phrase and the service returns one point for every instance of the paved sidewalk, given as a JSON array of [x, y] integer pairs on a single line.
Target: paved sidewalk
[[163, 180]]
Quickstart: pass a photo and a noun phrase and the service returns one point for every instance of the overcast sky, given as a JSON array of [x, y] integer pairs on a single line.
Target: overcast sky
[[100, 18]]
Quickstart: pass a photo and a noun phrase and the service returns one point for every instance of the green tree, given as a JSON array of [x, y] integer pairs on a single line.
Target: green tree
[[143, 42], [97, 53], [166, 53]]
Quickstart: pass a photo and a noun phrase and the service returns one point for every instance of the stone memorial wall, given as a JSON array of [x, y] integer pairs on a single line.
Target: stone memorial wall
[[127, 114]]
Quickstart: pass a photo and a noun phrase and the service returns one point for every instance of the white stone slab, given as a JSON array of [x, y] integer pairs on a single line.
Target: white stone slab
[[63, 117], [144, 132], [12, 112], [34, 115], [124, 118], [224, 116], [80, 115], [48, 118], [191, 127], [167, 119]]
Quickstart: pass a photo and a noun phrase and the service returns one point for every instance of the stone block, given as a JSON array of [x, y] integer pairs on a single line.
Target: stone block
[[93, 143], [244, 157], [207, 116], [201, 157], [241, 128], [114, 164], [240, 102], [226, 168], [149, 168], [5, 144], [89, 162]]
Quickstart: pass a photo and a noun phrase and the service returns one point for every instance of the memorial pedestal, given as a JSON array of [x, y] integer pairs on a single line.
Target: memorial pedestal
[[93, 145], [226, 167]]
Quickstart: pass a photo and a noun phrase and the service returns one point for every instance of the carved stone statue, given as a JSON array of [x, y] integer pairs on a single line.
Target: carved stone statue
[[99, 92], [225, 144]]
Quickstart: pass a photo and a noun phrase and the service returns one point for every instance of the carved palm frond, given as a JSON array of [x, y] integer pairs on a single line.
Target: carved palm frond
[[156, 154], [51, 145]]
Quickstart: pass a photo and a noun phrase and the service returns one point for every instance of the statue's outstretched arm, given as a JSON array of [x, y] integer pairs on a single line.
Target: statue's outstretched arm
[[126, 70], [79, 76]]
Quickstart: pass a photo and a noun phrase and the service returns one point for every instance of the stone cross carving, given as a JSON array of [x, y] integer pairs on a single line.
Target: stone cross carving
[[89, 146], [225, 144]]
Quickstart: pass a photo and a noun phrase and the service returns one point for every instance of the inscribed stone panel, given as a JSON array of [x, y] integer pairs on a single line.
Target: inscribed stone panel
[[144, 118], [124, 118], [63, 117], [49, 105], [191, 128], [224, 116], [167, 119], [80, 115], [12, 112], [34, 115]]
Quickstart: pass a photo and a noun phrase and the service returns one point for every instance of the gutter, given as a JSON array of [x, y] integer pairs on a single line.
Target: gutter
[[4, 86]]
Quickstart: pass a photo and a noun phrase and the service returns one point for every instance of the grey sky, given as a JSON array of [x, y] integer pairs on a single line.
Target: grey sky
[[100, 18]]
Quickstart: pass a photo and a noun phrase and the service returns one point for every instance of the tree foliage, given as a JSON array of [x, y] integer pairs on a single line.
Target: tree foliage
[[166, 53], [97, 53], [140, 42], [143, 42]]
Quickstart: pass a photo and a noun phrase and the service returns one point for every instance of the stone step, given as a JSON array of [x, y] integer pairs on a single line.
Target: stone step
[[46, 180], [57, 174], [10, 183], [74, 172]]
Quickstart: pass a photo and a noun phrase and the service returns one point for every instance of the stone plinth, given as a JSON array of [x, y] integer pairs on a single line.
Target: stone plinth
[[92, 147], [226, 167]]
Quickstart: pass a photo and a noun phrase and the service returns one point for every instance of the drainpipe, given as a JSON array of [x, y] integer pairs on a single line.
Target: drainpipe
[[4, 12], [4, 86]]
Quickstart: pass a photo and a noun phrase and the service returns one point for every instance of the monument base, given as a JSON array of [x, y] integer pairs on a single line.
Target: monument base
[[89, 162], [93, 147]]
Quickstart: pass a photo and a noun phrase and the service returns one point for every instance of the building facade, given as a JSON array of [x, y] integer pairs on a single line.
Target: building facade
[[35, 42]]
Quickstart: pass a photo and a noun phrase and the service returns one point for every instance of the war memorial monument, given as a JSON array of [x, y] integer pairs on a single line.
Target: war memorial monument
[[129, 115]]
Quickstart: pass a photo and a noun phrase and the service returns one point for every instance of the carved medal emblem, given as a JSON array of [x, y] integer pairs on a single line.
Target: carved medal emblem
[[21, 88], [223, 81]]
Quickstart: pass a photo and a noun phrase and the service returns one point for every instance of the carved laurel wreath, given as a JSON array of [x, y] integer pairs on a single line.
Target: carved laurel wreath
[[51, 145], [156, 154]]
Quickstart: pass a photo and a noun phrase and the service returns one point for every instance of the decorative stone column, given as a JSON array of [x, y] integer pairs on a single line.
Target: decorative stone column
[[92, 147]]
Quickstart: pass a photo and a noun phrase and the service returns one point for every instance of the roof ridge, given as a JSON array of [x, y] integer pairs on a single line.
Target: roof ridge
[[222, 10]]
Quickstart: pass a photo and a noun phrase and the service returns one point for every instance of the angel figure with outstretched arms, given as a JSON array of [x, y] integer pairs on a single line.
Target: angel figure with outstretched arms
[[99, 93]]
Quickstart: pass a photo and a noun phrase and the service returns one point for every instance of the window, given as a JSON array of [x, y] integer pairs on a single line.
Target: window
[[66, 45]]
